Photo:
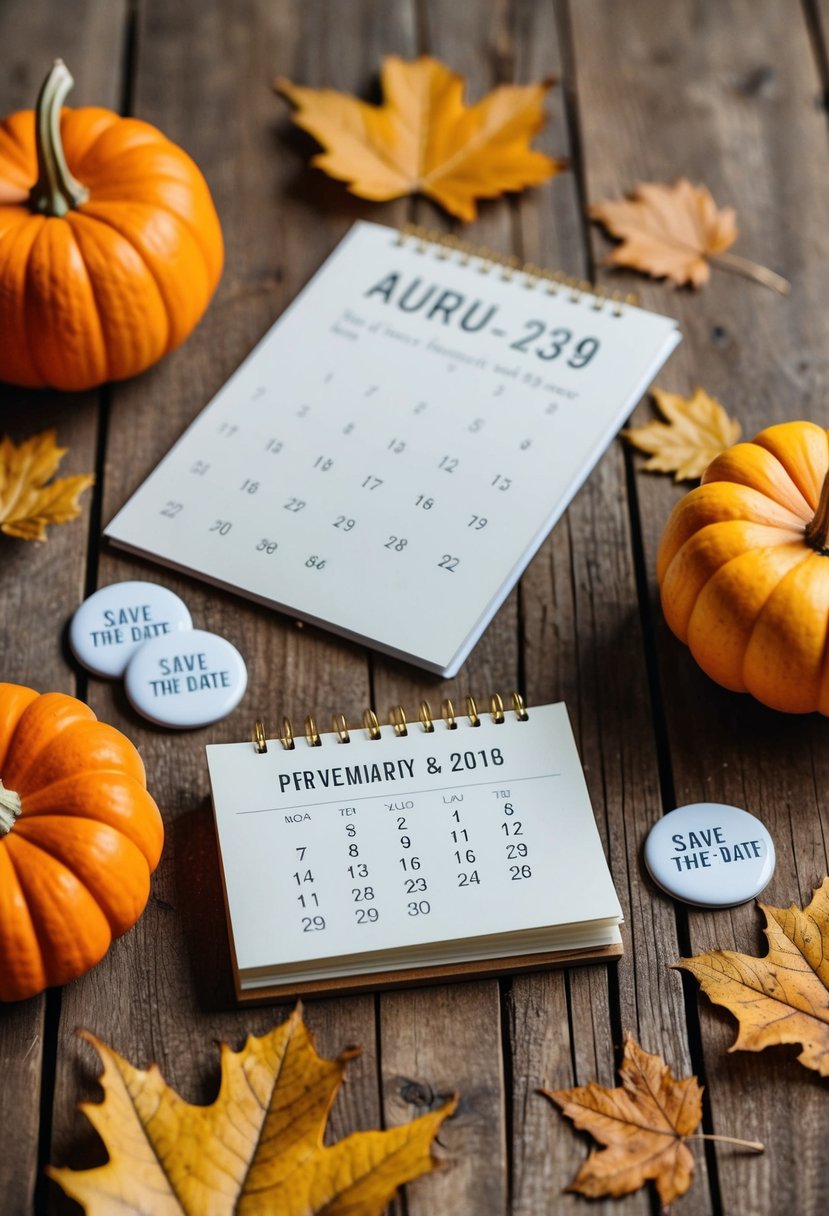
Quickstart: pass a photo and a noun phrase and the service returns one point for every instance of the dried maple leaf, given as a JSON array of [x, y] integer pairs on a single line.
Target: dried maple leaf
[[784, 997], [697, 430], [644, 1125], [257, 1149], [668, 231], [423, 138], [27, 504]]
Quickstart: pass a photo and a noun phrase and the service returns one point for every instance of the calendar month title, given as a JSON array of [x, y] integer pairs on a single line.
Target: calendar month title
[[403, 768]]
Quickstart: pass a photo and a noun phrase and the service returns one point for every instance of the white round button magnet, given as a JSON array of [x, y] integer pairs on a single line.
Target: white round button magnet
[[186, 680], [109, 627], [710, 854]]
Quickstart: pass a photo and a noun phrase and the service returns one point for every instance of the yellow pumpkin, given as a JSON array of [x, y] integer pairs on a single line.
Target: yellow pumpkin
[[743, 568]]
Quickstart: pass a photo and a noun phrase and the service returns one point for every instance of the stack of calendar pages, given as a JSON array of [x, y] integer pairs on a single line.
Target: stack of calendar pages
[[379, 858]]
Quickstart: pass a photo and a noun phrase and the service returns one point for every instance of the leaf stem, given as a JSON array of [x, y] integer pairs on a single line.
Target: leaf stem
[[751, 270], [754, 1145]]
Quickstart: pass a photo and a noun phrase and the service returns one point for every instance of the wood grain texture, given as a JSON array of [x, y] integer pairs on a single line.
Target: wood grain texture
[[727, 95], [41, 584]]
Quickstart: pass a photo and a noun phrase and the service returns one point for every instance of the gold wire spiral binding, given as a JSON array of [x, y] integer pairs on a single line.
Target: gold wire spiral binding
[[397, 720], [446, 244]]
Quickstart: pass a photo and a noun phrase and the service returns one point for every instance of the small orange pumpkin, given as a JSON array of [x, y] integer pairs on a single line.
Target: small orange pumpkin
[[743, 568], [110, 246], [79, 838]]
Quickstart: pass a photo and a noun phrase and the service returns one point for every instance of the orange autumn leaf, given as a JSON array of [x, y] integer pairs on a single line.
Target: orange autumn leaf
[[696, 429], [668, 231], [424, 139], [27, 504], [784, 997], [257, 1149], [643, 1124]]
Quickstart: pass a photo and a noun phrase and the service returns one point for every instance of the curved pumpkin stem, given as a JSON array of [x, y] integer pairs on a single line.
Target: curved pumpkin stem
[[56, 190], [817, 532], [9, 809]]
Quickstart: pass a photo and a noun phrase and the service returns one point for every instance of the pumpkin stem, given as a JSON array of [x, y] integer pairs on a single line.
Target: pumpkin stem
[[9, 809], [817, 532], [56, 190]]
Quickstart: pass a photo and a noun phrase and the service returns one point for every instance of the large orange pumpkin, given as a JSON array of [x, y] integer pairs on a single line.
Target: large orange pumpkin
[[110, 246], [79, 838], [743, 568]]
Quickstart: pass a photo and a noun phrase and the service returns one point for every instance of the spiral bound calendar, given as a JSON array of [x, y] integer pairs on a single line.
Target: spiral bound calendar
[[388, 459], [378, 856]]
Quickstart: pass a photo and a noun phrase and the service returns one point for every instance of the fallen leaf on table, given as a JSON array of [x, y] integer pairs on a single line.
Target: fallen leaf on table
[[784, 997], [423, 138], [644, 1125], [27, 503], [257, 1149], [697, 430], [675, 232]]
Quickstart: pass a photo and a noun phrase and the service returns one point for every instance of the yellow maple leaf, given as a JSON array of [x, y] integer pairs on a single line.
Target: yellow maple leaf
[[784, 997], [424, 138], [645, 1125], [697, 430], [257, 1149], [27, 503]]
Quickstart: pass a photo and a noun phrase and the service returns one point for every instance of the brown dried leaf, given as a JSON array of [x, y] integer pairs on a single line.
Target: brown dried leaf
[[27, 504], [423, 138], [668, 231], [697, 430], [644, 1125], [784, 997]]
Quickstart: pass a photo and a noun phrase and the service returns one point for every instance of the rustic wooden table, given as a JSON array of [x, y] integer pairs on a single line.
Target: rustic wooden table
[[732, 95]]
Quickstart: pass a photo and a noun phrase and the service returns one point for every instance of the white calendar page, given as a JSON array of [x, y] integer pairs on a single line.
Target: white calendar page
[[430, 848], [393, 452]]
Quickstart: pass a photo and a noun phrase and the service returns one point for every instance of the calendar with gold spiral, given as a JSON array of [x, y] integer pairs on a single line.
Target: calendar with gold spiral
[[388, 459]]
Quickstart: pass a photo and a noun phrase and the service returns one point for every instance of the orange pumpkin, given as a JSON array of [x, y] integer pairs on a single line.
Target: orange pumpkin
[[110, 246], [743, 568], [79, 838]]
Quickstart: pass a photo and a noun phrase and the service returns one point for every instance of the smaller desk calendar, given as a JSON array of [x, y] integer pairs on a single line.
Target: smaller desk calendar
[[393, 452], [399, 854]]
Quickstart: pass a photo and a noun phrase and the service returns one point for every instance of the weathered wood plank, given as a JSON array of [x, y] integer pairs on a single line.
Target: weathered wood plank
[[42, 583], [726, 97], [203, 75]]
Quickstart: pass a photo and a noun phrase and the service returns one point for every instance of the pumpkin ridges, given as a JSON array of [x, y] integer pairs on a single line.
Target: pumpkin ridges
[[130, 305], [719, 502], [722, 619], [101, 858], [23, 972], [84, 747], [749, 464], [803, 451], [72, 933], [704, 553], [15, 247], [788, 676], [14, 700], [185, 288], [122, 803], [17, 148], [44, 719]]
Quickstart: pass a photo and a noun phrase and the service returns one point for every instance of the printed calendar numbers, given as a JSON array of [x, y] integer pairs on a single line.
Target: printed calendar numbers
[[430, 424]]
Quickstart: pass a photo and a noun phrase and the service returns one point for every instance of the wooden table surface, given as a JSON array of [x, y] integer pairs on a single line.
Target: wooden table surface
[[731, 95]]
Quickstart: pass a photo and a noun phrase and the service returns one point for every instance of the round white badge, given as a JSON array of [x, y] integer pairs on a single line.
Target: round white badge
[[710, 854], [109, 627], [186, 680]]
